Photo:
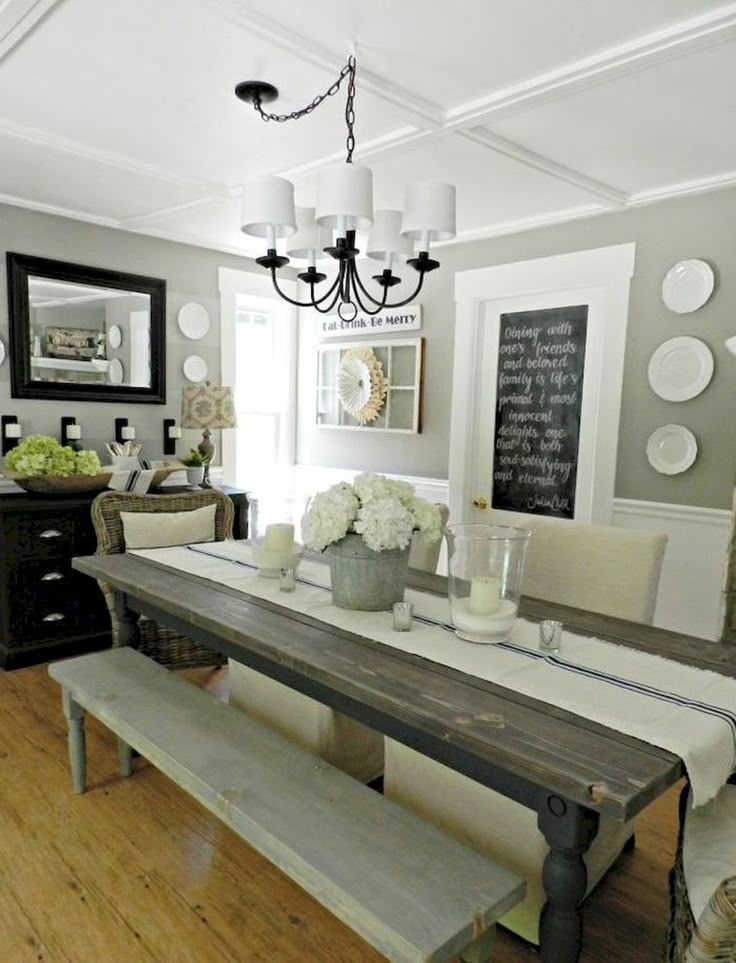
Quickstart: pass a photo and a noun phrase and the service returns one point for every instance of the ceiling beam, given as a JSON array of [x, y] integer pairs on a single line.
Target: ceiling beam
[[683, 38], [18, 18], [539, 162]]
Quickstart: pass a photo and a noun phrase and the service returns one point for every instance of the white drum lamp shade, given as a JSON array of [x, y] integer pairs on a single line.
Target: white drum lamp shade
[[345, 191], [310, 238], [429, 211], [268, 207], [385, 237]]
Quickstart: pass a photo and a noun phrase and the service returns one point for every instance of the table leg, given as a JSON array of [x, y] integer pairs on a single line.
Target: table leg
[[128, 633], [569, 830]]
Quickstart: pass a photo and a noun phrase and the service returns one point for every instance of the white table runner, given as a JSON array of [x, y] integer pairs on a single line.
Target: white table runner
[[690, 712]]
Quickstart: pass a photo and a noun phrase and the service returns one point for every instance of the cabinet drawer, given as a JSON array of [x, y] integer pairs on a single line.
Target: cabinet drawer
[[50, 600], [40, 535]]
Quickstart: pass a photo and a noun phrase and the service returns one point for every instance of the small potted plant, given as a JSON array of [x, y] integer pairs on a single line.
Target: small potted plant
[[194, 463]]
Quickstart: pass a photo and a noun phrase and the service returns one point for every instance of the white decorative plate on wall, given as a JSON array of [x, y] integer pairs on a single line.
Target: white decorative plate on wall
[[687, 286], [671, 449], [115, 372], [195, 368], [193, 321], [2, 351], [114, 336], [680, 369]]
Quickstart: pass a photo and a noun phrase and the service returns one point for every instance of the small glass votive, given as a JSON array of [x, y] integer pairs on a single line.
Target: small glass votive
[[403, 615], [550, 636], [287, 580]]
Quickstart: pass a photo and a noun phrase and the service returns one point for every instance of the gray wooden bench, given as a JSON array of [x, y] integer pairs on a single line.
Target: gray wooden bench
[[410, 890]]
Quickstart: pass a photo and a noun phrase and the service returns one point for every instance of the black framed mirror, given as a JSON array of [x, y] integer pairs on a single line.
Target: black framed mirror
[[82, 333]]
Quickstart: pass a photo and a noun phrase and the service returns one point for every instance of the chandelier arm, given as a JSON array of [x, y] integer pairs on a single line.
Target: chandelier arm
[[401, 304], [301, 304], [358, 287], [330, 307]]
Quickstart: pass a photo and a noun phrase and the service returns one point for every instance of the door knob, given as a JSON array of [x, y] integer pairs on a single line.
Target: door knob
[[480, 502]]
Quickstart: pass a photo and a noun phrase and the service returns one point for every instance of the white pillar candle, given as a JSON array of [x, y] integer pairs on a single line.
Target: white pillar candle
[[279, 538], [12, 430], [74, 431], [127, 433], [485, 595], [494, 627], [174, 431]]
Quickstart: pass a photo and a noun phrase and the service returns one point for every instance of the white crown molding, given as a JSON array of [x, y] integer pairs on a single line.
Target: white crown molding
[[675, 41], [58, 211], [499, 145], [141, 220], [18, 18], [109, 158], [523, 224], [700, 185]]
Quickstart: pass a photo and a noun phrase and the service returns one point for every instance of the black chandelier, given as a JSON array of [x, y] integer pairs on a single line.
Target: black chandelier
[[344, 206]]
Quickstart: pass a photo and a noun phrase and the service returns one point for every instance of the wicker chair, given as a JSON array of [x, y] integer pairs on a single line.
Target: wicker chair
[[713, 938], [160, 643]]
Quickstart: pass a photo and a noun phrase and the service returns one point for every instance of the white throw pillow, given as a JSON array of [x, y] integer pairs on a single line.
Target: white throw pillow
[[160, 529]]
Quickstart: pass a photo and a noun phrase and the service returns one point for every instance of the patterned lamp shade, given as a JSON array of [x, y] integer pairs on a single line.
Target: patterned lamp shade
[[207, 406]]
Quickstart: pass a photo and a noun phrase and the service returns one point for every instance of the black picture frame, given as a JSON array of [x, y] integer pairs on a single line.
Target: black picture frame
[[20, 268]]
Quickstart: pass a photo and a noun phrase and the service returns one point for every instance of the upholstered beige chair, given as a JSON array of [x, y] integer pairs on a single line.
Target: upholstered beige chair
[[603, 569], [347, 744]]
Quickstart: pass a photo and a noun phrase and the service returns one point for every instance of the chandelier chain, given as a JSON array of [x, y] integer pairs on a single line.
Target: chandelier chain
[[347, 71]]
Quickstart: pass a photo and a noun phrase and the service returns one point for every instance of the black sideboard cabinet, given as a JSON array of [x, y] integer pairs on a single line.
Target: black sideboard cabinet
[[47, 610]]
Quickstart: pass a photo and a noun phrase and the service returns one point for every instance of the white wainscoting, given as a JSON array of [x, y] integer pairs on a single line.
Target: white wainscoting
[[690, 597]]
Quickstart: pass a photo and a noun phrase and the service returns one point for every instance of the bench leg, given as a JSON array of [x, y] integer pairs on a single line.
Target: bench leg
[[481, 949], [77, 743], [125, 755]]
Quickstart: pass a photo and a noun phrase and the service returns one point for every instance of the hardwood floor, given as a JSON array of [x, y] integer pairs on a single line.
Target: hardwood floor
[[134, 870]]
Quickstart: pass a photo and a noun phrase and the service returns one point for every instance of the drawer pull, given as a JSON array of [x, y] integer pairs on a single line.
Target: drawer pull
[[50, 533], [54, 617], [52, 577]]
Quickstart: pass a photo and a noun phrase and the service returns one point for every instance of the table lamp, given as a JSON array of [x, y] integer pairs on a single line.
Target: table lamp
[[207, 406]]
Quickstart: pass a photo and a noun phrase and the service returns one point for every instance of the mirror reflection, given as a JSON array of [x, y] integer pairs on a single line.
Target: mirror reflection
[[83, 334]]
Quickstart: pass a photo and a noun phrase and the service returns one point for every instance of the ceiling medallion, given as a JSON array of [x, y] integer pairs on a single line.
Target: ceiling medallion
[[344, 206]]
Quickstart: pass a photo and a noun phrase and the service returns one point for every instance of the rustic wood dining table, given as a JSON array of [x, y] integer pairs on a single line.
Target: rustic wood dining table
[[568, 769]]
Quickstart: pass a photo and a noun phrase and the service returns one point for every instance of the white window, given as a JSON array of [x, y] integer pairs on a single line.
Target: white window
[[258, 332]]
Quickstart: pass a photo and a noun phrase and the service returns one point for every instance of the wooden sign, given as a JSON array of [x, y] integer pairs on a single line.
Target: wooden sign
[[541, 360], [386, 321]]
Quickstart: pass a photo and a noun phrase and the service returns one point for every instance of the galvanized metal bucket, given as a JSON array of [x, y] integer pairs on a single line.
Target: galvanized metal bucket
[[365, 580]]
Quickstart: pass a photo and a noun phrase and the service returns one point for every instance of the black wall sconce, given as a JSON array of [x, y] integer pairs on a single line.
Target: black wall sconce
[[12, 432], [172, 433], [123, 431], [71, 432]]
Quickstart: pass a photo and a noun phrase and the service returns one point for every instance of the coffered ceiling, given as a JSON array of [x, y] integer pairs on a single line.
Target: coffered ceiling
[[121, 112]]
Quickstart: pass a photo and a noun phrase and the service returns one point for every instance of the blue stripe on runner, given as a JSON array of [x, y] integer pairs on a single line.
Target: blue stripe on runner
[[554, 660]]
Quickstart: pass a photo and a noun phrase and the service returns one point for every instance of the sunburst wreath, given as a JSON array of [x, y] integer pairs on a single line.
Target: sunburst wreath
[[361, 384]]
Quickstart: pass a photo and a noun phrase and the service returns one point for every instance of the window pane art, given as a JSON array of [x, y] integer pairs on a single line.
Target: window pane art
[[371, 386]]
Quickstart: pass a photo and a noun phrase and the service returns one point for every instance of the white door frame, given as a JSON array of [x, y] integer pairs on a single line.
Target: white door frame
[[602, 276], [260, 292]]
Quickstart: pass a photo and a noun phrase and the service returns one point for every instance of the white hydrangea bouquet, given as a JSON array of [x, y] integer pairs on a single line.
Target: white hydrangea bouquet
[[384, 511]]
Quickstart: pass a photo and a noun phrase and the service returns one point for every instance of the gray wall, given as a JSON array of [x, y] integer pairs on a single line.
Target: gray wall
[[190, 274], [698, 226]]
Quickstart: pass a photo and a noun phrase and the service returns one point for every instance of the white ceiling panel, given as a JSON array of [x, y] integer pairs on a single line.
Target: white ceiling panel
[[454, 52], [33, 172], [141, 80], [673, 122]]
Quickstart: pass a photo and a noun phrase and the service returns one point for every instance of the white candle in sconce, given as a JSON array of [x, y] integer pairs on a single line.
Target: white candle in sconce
[[127, 433], [74, 432], [485, 595], [174, 432], [13, 430], [279, 538]]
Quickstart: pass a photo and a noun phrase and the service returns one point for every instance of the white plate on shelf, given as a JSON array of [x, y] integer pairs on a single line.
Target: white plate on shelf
[[195, 368], [194, 321], [115, 372], [114, 336], [688, 285], [680, 369], [671, 449]]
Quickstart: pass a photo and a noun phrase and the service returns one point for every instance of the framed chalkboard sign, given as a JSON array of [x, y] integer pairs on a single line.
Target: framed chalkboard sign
[[541, 362]]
